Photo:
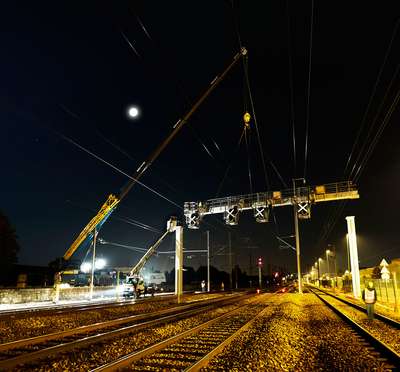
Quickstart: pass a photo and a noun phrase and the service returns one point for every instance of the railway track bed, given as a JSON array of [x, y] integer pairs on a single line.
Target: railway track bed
[[381, 334], [31, 352]]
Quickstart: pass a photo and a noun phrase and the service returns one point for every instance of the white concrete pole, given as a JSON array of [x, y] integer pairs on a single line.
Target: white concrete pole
[[93, 261], [355, 271], [179, 262], [208, 261], [296, 230]]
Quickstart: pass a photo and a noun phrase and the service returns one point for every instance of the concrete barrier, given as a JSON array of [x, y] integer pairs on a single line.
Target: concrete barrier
[[26, 295]]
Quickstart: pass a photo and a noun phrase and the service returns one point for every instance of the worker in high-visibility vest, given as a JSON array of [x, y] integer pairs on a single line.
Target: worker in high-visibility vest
[[369, 297]]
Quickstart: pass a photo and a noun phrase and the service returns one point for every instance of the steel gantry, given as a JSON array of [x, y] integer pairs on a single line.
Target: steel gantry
[[301, 198]]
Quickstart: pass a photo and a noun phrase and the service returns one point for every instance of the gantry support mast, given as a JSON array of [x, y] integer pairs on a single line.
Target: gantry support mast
[[301, 198]]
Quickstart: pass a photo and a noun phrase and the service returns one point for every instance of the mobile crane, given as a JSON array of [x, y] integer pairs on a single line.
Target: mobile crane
[[90, 230], [134, 283]]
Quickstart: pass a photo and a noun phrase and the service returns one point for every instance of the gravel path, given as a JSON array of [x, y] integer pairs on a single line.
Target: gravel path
[[297, 333]]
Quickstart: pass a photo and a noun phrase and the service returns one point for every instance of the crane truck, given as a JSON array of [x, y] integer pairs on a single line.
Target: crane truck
[[135, 284]]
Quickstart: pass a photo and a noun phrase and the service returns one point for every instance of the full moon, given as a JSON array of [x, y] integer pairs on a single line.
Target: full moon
[[133, 112]]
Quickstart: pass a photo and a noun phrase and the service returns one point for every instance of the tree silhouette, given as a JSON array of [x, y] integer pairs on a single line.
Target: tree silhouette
[[376, 273], [9, 246]]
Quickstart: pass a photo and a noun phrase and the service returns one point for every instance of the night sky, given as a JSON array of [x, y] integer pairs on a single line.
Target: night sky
[[68, 70]]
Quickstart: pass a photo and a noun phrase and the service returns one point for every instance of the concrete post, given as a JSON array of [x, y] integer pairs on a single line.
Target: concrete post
[[355, 271], [296, 229], [179, 262], [93, 264], [208, 261]]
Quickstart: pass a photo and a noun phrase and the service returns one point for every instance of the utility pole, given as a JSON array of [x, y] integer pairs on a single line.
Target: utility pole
[[296, 231], [355, 271], [93, 263], [230, 260], [179, 262], [208, 261], [327, 261]]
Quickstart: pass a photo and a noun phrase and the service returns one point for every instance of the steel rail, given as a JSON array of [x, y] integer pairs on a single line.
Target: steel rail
[[63, 347], [135, 356], [385, 350], [203, 362], [383, 318], [101, 325]]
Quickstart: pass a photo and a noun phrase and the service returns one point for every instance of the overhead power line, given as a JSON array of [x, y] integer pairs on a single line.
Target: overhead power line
[[116, 168], [291, 88], [308, 92], [373, 93]]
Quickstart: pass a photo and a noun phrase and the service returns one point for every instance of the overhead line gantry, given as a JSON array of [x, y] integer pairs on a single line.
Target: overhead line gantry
[[300, 198]]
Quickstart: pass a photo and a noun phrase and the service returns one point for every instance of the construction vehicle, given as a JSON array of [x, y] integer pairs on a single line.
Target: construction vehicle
[[95, 224], [135, 284]]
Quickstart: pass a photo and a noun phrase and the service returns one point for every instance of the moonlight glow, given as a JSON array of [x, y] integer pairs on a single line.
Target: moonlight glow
[[133, 112]]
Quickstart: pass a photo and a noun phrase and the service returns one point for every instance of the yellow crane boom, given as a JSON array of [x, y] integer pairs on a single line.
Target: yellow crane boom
[[107, 208]]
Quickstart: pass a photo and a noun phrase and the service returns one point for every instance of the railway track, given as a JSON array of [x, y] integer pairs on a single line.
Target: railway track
[[193, 349], [385, 319], [29, 350], [386, 353]]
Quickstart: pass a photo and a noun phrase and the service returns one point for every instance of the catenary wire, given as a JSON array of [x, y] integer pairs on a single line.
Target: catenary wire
[[372, 126], [115, 168], [306, 145], [373, 93], [291, 87]]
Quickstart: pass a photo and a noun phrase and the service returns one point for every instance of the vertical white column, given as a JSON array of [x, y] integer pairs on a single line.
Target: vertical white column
[[179, 262], [93, 264], [355, 271], [297, 234], [208, 261]]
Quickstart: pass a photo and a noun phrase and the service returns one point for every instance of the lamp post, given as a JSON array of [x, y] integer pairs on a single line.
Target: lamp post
[[327, 261], [319, 273], [333, 253]]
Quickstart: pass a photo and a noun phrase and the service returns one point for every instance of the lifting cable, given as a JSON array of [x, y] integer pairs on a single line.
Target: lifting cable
[[308, 92], [230, 164], [246, 129], [250, 97]]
